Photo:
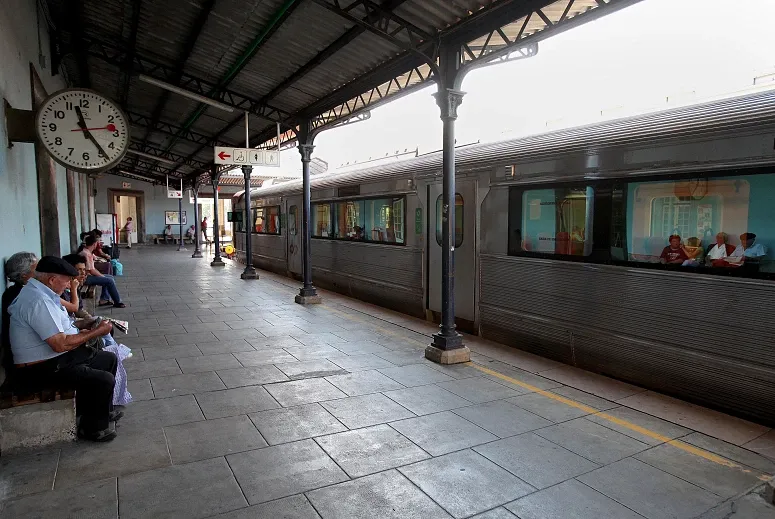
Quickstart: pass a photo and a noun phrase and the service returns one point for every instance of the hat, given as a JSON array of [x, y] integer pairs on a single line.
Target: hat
[[54, 265]]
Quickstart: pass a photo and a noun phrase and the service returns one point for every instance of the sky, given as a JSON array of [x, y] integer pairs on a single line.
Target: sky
[[619, 64]]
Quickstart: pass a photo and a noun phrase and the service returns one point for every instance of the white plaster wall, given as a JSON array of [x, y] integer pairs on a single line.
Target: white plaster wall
[[156, 201]]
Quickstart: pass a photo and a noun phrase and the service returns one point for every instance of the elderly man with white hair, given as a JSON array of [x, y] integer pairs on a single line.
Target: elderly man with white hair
[[47, 347]]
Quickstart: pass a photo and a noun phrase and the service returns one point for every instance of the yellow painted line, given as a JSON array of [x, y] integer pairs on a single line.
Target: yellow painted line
[[691, 449]]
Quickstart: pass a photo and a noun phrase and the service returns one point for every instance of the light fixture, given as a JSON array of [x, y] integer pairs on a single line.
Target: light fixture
[[149, 179], [152, 157], [185, 93]]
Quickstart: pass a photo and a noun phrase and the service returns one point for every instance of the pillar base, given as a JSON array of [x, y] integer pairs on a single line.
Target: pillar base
[[217, 263], [308, 300], [456, 356], [197, 254], [249, 273]]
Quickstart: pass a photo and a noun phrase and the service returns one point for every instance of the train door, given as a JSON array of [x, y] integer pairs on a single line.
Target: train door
[[294, 235], [465, 250]]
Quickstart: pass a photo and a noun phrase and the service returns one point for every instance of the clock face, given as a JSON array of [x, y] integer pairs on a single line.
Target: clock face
[[83, 130]]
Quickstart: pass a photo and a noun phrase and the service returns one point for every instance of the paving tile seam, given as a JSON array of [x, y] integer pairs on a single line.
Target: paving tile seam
[[576, 478], [691, 449]]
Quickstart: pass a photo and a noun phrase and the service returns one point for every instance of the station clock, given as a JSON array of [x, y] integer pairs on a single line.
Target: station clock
[[82, 130]]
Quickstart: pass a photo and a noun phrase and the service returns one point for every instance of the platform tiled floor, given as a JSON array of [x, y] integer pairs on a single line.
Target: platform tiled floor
[[248, 405]]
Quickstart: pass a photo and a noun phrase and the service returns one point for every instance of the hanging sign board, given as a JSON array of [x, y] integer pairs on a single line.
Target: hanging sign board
[[173, 192], [246, 157]]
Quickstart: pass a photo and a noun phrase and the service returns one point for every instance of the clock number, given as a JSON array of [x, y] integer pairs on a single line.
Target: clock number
[[52, 127], [70, 151], [99, 108], [111, 119], [85, 156], [58, 141], [68, 105], [84, 103], [59, 114], [111, 146], [100, 154], [116, 133]]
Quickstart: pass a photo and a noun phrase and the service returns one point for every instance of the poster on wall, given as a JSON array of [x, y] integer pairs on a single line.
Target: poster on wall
[[171, 218], [106, 222]]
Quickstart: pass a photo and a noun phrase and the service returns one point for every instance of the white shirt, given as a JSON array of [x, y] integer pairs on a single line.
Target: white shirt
[[718, 252]]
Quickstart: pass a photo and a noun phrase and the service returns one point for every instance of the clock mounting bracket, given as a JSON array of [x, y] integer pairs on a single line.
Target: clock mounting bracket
[[19, 124]]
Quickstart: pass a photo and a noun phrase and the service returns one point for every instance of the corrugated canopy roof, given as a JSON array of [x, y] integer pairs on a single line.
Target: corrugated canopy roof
[[321, 62]]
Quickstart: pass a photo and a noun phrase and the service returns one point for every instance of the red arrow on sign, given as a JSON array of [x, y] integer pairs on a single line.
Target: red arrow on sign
[[223, 155]]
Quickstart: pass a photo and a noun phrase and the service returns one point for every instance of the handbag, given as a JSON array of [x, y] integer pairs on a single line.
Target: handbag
[[118, 268]]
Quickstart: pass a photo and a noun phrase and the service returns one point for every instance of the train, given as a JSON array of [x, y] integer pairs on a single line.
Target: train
[[641, 248]]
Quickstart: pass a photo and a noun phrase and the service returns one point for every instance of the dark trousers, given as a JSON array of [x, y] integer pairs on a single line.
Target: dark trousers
[[93, 380]]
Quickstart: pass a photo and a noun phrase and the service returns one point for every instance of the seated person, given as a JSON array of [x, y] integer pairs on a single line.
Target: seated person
[[694, 253], [48, 348], [748, 251], [719, 251], [168, 234], [101, 259], [71, 297], [121, 395], [673, 254], [190, 232], [19, 268], [94, 277]]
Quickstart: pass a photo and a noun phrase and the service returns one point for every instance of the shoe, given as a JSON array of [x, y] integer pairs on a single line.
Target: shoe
[[115, 415], [104, 435], [104, 303], [119, 305]]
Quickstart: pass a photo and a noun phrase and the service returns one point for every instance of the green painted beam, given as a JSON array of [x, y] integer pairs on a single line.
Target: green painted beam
[[241, 62]]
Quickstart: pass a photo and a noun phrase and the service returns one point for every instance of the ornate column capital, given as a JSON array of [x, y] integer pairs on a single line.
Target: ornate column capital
[[449, 100], [306, 152]]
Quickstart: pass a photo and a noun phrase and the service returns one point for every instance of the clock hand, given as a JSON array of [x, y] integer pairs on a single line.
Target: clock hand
[[111, 128], [86, 133], [82, 123]]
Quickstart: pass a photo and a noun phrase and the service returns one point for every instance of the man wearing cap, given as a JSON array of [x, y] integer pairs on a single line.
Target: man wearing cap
[[748, 250], [47, 347]]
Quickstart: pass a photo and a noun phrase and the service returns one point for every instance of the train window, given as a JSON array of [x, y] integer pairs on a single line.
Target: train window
[[321, 220], [293, 220], [384, 220], [348, 220], [459, 205], [556, 221], [705, 222], [266, 220]]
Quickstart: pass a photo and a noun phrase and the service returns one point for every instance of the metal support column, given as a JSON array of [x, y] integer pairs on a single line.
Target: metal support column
[[215, 175], [197, 231], [249, 272], [307, 294], [447, 346], [181, 246]]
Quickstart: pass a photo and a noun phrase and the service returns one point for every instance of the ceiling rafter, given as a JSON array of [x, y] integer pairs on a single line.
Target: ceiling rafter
[[116, 55], [141, 120], [126, 72], [188, 46]]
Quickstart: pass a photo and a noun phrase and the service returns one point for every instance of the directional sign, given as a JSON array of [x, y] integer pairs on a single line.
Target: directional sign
[[174, 193], [247, 156]]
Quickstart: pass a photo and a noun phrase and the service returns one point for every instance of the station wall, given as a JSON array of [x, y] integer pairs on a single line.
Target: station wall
[[21, 30], [156, 202]]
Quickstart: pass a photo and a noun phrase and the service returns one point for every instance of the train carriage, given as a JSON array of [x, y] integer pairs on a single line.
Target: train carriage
[[563, 246]]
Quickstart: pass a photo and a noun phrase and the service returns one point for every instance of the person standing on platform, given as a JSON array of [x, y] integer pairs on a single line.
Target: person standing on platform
[[204, 228], [129, 227]]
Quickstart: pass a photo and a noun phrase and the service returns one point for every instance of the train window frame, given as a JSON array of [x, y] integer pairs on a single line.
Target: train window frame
[[332, 212], [459, 210], [516, 214], [293, 220], [254, 216], [617, 226]]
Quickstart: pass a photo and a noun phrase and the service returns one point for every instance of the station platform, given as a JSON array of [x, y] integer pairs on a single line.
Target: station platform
[[249, 405]]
